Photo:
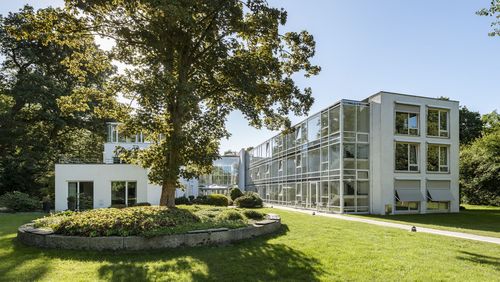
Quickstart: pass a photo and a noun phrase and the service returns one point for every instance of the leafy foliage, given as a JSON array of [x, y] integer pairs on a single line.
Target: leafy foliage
[[53, 95], [18, 201], [192, 62], [235, 193], [217, 200], [480, 170], [492, 11], [253, 214], [142, 221], [471, 125], [249, 200]]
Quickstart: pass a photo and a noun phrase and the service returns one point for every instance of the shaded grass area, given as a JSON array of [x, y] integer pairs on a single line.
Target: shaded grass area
[[479, 220], [308, 248]]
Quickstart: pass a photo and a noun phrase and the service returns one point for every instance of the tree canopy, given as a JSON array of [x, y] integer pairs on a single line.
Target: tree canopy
[[493, 11], [53, 96], [470, 124], [192, 62]]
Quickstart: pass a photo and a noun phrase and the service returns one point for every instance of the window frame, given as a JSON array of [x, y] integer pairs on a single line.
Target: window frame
[[126, 190], [410, 165], [408, 128], [439, 111], [439, 166]]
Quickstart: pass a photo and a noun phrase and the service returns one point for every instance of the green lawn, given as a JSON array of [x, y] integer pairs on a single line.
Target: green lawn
[[309, 248], [480, 220]]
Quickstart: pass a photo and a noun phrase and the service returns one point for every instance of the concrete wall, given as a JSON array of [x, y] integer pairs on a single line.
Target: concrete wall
[[382, 148]]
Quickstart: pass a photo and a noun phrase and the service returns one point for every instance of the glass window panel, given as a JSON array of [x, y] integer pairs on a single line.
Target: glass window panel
[[401, 156], [334, 119], [443, 120], [290, 167], [433, 158], [304, 133], [313, 128], [349, 151], [313, 160], [324, 123], [335, 156], [131, 193], [349, 164], [363, 164], [362, 137], [348, 202], [443, 157], [349, 188], [298, 161], [413, 154], [363, 119], [363, 174], [118, 192], [349, 117], [401, 123], [362, 201], [363, 151], [363, 187], [412, 121], [432, 122]]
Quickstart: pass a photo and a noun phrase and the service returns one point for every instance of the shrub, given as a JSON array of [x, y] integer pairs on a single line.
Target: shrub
[[141, 221], [118, 206], [253, 214], [86, 202], [71, 203], [17, 201], [217, 200], [249, 200], [142, 204], [200, 200], [235, 193], [191, 198], [182, 201], [229, 215]]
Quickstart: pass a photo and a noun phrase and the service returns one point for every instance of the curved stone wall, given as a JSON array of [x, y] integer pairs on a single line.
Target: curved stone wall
[[31, 236]]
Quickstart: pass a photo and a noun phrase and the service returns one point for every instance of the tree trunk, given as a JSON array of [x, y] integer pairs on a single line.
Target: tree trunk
[[168, 194]]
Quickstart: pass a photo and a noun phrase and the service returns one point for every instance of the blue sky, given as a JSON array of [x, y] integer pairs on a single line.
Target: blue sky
[[428, 48]]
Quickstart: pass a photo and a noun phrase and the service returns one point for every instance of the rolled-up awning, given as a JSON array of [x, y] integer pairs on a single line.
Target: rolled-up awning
[[440, 195], [409, 195]]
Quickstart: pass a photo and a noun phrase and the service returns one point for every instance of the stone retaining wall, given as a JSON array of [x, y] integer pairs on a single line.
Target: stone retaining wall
[[31, 236]]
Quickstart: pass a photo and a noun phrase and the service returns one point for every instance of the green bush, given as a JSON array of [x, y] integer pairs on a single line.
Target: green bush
[[17, 201], [182, 201], [249, 200], [217, 200], [200, 200], [71, 203], [141, 221], [253, 214], [235, 193], [230, 215], [118, 206], [86, 202]]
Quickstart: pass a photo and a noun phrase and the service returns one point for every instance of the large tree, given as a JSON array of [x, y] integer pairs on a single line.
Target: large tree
[[192, 62], [493, 11], [470, 125], [53, 100]]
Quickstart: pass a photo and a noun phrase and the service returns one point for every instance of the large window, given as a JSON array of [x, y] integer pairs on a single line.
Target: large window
[[406, 157], [438, 206], [349, 117], [407, 123], [123, 193], [313, 128], [437, 158], [437, 122], [334, 119], [81, 194], [335, 156], [313, 160]]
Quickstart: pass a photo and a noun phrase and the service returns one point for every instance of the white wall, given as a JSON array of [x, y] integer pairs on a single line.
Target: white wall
[[382, 148]]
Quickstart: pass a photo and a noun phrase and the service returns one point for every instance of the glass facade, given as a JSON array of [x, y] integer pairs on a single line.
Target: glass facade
[[323, 163], [224, 176]]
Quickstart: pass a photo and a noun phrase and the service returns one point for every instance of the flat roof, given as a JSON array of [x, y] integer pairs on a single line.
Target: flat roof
[[409, 95]]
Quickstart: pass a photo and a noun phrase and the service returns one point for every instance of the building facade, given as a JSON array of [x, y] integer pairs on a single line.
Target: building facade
[[387, 154], [390, 153]]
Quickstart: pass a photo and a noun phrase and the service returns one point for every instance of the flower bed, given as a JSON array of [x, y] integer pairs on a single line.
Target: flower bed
[[145, 221]]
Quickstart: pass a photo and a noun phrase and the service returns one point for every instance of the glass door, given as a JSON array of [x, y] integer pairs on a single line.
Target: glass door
[[312, 194]]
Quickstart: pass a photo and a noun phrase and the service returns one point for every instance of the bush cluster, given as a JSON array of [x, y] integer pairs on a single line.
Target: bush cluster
[[235, 193], [17, 201], [253, 214], [144, 221], [249, 200], [212, 199]]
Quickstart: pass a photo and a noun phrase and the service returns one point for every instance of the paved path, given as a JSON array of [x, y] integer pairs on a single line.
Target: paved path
[[398, 225]]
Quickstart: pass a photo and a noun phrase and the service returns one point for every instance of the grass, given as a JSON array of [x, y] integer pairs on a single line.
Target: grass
[[479, 220], [309, 248]]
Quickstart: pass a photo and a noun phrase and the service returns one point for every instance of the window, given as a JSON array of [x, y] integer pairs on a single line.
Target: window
[[363, 119], [406, 157], [298, 161], [406, 206], [437, 158], [438, 206], [335, 156], [280, 165], [123, 193], [349, 117], [407, 123], [334, 115], [313, 160], [324, 123], [83, 193], [437, 122], [313, 128]]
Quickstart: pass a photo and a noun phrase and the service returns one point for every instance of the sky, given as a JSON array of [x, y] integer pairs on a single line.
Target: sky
[[427, 48]]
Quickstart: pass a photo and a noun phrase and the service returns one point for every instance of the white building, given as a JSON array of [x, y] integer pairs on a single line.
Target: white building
[[390, 153]]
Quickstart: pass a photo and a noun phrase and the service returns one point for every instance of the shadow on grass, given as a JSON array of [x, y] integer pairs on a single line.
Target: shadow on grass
[[249, 260], [481, 259], [472, 219]]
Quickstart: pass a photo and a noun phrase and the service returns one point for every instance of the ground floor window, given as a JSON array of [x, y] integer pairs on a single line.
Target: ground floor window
[[123, 193], [438, 206], [407, 206], [80, 195]]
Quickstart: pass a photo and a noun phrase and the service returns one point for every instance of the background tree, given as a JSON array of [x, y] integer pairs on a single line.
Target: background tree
[[193, 62], [53, 99], [493, 11], [470, 125]]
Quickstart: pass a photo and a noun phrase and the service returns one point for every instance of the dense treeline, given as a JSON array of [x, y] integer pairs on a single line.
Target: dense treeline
[[480, 157]]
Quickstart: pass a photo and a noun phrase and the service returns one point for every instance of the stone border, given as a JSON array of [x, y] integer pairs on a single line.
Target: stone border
[[31, 236]]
